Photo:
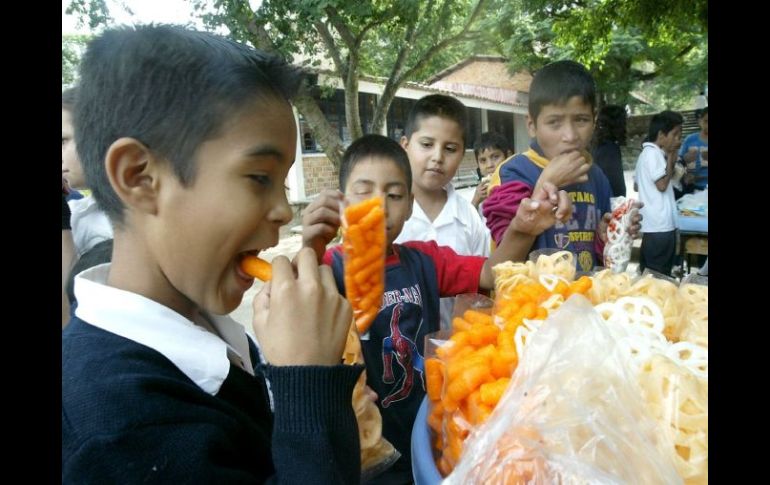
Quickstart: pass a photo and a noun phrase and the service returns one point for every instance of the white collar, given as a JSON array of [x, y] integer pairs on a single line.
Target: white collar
[[449, 213], [653, 145], [198, 353]]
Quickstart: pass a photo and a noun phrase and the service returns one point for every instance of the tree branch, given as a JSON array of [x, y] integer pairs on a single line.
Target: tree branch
[[331, 47], [341, 27]]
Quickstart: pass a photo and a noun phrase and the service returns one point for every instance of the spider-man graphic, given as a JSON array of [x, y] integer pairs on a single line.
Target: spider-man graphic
[[407, 357]]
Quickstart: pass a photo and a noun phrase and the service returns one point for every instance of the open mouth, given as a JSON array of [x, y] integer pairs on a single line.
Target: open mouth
[[242, 275]]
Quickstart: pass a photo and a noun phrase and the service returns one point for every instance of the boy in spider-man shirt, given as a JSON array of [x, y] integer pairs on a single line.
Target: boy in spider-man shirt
[[417, 273]]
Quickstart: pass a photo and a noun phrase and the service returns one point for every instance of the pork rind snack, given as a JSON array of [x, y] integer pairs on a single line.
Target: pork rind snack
[[617, 250]]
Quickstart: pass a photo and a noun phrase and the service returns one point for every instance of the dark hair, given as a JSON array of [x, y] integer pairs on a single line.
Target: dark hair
[[100, 253], [699, 114], [437, 105], [611, 125], [559, 81], [68, 98], [491, 140], [664, 121], [374, 146], [169, 87]]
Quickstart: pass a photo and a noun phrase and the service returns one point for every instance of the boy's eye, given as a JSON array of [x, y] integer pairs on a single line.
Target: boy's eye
[[263, 180], [451, 148], [426, 144], [395, 196]]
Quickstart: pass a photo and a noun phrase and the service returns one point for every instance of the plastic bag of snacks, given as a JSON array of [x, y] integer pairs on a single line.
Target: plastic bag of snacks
[[572, 414], [464, 370], [364, 239], [617, 251], [364, 251]]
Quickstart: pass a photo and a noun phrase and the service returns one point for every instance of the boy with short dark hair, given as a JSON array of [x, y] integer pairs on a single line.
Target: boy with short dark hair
[[186, 139], [654, 170], [490, 150], [417, 273], [562, 104]]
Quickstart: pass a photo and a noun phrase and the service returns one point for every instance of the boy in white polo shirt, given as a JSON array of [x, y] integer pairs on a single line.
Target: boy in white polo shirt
[[654, 170]]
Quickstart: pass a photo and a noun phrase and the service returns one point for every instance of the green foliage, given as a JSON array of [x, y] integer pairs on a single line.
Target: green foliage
[[625, 43], [72, 48]]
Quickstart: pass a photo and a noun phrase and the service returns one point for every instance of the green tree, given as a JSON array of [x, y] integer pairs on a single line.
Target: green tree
[[659, 47], [72, 47], [398, 39]]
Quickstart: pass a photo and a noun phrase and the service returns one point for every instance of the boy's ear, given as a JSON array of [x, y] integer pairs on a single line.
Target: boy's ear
[[531, 127], [404, 142], [133, 173]]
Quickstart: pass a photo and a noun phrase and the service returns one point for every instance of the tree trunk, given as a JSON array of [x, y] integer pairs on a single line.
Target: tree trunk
[[325, 134], [352, 113]]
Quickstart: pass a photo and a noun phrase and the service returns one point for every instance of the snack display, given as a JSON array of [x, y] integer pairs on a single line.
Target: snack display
[[614, 391]]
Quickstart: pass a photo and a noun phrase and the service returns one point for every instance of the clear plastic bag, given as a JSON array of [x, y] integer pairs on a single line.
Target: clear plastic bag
[[363, 227], [377, 454], [617, 250], [573, 413]]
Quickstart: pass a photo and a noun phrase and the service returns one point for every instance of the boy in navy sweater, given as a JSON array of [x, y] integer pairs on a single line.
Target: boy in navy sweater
[[186, 139], [417, 273]]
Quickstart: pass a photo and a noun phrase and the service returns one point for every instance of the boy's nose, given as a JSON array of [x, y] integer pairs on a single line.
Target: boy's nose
[[438, 154], [281, 211], [569, 133]]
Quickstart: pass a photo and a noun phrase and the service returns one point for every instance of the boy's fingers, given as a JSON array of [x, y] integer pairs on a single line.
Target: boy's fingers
[[307, 264], [564, 206], [282, 270], [327, 278]]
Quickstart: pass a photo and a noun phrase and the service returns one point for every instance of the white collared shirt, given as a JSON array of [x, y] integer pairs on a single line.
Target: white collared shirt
[[458, 226], [200, 354], [659, 211], [90, 225]]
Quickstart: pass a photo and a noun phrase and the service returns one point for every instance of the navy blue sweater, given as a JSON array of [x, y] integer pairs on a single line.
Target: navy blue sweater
[[131, 416]]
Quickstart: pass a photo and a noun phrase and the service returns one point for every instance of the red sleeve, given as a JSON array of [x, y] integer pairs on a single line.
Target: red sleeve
[[501, 206], [329, 255], [455, 274]]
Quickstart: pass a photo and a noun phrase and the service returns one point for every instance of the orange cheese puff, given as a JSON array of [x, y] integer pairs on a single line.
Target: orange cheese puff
[[354, 213], [476, 317], [491, 392], [256, 267], [434, 376]]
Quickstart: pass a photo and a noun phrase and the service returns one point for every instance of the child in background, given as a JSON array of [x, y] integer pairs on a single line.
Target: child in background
[[490, 150], [89, 224], [562, 102], [654, 171], [435, 143]]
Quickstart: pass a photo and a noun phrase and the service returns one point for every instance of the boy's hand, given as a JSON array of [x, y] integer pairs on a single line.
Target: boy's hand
[[481, 193], [690, 156], [635, 231], [301, 320], [321, 221], [636, 222], [536, 214], [565, 169]]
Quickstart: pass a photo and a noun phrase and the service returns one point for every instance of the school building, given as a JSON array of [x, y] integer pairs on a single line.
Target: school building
[[496, 101]]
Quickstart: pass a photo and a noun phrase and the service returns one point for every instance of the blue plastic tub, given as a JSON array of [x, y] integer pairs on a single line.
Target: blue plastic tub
[[423, 466]]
